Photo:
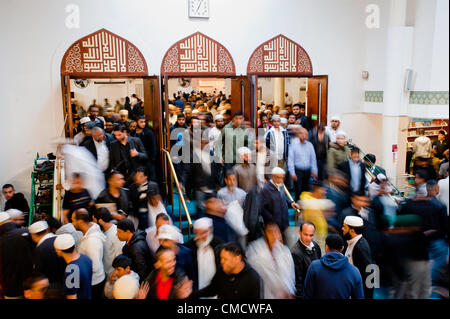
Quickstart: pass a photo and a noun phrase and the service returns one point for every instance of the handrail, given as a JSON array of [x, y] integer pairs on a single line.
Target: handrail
[[180, 193], [373, 165], [298, 212]]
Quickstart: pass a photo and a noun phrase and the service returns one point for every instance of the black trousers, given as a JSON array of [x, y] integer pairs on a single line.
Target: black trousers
[[97, 290], [302, 184]]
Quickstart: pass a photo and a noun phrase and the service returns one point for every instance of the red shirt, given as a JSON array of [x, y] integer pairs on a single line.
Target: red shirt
[[163, 287]]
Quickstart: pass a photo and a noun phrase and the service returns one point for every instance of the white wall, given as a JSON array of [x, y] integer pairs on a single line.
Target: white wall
[[34, 39]]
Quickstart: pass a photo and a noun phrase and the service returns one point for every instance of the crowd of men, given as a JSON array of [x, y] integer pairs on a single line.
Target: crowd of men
[[355, 239]]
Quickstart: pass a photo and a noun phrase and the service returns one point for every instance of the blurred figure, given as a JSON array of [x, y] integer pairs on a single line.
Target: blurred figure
[[231, 192], [356, 170], [277, 142], [121, 267], [338, 192], [98, 145], [315, 207], [334, 129], [148, 139], [205, 251], [15, 267], [420, 182], [114, 193], [304, 252], [443, 195], [302, 162], [332, 276], [152, 232], [320, 141], [75, 198], [237, 280], [216, 210], [275, 203], [35, 287], [274, 264], [17, 217], [338, 152], [245, 171]]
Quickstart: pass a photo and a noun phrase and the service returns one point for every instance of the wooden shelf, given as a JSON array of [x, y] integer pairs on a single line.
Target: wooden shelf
[[431, 126], [424, 135]]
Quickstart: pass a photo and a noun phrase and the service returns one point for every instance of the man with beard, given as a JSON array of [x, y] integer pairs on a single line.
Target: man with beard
[[205, 251], [148, 138], [274, 264], [358, 250]]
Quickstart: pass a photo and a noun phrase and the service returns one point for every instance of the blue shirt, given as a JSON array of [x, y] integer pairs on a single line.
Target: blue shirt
[[301, 156], [355, 175], [78, 278]]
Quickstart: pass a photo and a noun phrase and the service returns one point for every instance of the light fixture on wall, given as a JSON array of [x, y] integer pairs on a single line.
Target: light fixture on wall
[[365, 75], [408, 79]]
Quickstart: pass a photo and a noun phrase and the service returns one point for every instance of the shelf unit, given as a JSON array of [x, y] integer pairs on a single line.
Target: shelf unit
[[42, 184]]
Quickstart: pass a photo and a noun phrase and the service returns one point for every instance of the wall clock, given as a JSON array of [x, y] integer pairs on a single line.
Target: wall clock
[[199, 9]]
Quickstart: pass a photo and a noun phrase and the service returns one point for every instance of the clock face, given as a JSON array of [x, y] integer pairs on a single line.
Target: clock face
[[199, 8]]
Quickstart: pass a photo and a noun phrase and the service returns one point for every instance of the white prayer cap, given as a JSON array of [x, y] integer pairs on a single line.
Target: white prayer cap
[[4, 217], [381, 177], [354, 221], [123, 112], [203, 223], [85, 120], [278, 171], [275, 117], [218, 117], [341, 133], [14, 213], [195, 111], [126, 287], [243, 150], [169, 232], [335, 118], [263, 102], [64, 241], [37, 227], [283, 120]]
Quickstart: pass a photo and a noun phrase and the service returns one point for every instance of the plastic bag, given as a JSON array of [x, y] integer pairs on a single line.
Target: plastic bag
[[234, 217]]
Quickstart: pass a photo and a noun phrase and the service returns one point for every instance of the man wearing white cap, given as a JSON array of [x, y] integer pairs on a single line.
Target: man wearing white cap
[[205, 252], [45, 259], [275, 203], [358, 249], [338, 152], [334, 128], [169, 237], [277, 142], [215, 131], [15, 257], [78, 274], [80, 136], [126, 287], [16, 216]]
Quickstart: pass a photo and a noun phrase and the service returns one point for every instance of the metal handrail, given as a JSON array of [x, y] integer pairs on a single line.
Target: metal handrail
[[180, 194], [298, 212]]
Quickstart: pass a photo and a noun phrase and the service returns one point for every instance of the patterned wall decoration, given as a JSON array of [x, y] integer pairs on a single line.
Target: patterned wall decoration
[[103, 53], [374, 96], [280, 56], [429, 98], [198, 55]]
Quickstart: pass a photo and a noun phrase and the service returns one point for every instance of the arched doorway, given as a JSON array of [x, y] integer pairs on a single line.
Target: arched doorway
[[283, 58], [199, 57]]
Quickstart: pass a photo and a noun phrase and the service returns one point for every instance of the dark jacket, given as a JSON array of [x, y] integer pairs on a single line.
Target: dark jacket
[[216, 245], [16, 259], [302, 259], [177, 276], [275, 208], [221, 229], [253, 220], [345, 167], [47, 262], [127, 165], [333, 277], [341, 200], [19, 202], [362, 257], [124, 203], [245, 285], [149, 141], [90, 145], [320, 147], [137, 250]]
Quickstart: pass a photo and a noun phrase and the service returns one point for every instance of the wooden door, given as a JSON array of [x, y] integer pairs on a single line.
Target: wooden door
[[317, 99], [67, 105], [240, 96]]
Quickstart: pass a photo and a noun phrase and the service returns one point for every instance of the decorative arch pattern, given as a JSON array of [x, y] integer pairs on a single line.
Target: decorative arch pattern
[[198, 55], [280, 56], [103, 53]]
